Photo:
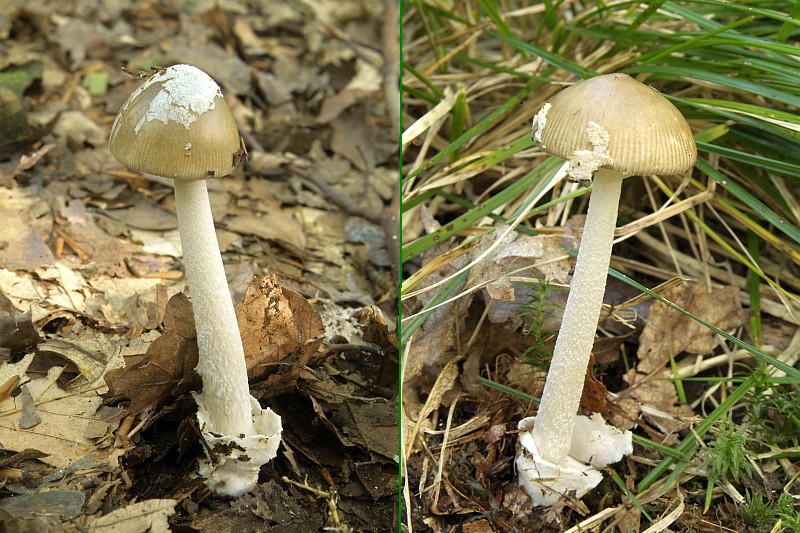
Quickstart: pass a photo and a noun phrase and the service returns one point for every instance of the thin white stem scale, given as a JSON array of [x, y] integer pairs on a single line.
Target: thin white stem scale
[[555, 418], [226, 393]]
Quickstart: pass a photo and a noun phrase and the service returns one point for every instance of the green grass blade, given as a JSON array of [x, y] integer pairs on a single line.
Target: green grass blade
[[750, 201], [520, 187], [477, 129], [446, 291]]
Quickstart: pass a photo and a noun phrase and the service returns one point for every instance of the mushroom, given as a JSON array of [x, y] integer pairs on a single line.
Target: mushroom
[[177, 125], [603, 126]]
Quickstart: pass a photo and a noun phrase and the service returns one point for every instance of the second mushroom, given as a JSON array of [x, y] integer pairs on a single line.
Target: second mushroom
[[604, 126]]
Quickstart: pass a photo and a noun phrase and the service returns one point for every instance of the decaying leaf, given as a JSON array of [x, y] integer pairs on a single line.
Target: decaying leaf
[[81, 38], [480, 526], [21, 243], [328, 256], [25, 162], [146, 215], [669, 332], [538, 256], [270, 502], [9, 371], [279, 226], [375, 330], [17, 331], [56, 287], [159, 242], [654, 397], [366, 82], [594, 392], [276, 323], [139, 517], [65, 416], [54, 505], [168, 366], [92, 352], [28, 418], [75, 129], [372, 425], [138, 303], [53, 414]]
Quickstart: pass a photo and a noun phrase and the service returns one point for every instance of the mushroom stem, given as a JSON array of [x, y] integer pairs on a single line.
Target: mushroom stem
[[555, 418], [226, 392]]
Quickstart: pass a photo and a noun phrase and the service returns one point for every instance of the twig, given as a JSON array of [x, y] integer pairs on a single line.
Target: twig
[[332, 498]]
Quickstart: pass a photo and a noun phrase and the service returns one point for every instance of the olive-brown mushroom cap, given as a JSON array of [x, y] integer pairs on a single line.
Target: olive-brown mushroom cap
[[176, 125], [647, 134]]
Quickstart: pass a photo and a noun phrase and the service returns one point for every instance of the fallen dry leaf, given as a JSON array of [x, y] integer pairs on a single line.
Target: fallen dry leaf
[[25, 162], [65, 417], [232, 73], [10, 370], [21, 244], [280, 227], [363, 85], [158, 242], [28, 418], [652, 396], [651, 392], [168, 367], [59, 505], [373, 425], [276, 323], [17, 332], [119, 300], [479, 526], [75, 128], [80, 39], [270, 502], [139, 517], [668, 332], [329, 262], [375, 330], [538, 256], [146, 215], [93, 353], [594, 392]]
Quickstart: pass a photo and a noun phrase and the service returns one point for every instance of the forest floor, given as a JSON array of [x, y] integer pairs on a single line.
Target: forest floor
[[97, 426], [697, 348]]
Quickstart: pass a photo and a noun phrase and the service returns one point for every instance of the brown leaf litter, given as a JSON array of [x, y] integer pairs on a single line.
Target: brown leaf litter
[[669, 333], [96, 335], [456, 472]]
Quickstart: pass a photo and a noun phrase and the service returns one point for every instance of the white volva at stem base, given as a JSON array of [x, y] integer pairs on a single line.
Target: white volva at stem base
[[226, 393], [595, 445], [232, 464], [555, 418]]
